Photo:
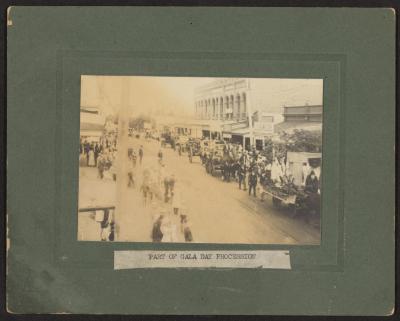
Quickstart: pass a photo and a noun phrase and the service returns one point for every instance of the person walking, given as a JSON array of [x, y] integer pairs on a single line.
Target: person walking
[[172, 184], [113, 171], [160, 156], [140, 154], [146, 186], [91, 162], [96, 153], [100, 167], [252, 183], [166, 189], [169, 230], [224, 171], [169, 184], [145, 189], [186, 229], [131, 181], [161, 175], [133, 156], [241, 177], [86, 150], [156, 233], [245, 177], [190, 153]]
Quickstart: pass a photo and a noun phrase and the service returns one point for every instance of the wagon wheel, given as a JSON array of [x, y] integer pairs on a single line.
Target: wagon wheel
[[276, 202], [293, 210]]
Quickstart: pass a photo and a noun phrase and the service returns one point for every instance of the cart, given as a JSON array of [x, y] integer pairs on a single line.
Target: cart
[[214, 166], [194, 148], [279, 197], [167, 139], [296, 200]]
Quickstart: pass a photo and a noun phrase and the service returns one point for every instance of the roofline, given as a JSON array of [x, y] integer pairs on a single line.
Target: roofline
[[298, 106]]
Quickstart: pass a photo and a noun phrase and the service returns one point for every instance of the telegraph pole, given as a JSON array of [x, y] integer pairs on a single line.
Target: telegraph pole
[[250, 113], [121, 159]]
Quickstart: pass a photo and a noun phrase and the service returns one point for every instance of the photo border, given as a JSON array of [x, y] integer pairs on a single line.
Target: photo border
[[72, 63]]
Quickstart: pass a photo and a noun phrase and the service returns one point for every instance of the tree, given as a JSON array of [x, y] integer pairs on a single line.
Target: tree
[[301, 140], [268, 149]]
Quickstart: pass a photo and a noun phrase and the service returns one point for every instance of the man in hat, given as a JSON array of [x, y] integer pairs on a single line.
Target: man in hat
[[252, 182], [312, 184], [312, 189]]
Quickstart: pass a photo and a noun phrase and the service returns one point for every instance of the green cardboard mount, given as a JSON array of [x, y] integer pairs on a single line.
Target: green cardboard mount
[[350, 273]]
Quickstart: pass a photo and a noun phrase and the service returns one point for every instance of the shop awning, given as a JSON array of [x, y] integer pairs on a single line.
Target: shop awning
[[291, 125], [240, 131]]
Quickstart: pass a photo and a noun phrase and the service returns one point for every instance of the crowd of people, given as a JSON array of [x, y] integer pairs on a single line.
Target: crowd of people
[[250, 167], [89, 152], [162, 194], [255, 171], [100, 154], [160, 190]]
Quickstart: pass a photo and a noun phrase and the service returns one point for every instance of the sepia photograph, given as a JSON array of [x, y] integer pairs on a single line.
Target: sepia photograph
[[200, 160], [196, 159]]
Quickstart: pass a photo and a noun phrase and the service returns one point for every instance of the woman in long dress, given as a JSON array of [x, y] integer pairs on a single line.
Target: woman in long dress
[[91, 158], [167, 230], [169, 227]]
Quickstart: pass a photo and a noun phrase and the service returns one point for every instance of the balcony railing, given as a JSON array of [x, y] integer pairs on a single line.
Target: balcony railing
[[302, 110]]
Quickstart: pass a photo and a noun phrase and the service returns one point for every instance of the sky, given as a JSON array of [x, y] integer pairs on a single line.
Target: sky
[[163, 95]]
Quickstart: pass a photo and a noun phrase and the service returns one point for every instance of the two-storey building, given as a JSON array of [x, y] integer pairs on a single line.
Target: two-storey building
[[307, 117]]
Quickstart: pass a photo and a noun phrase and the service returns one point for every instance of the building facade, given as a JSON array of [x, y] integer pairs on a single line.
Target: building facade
[[309, 113], [307, 117], [223, 99], [236, 110], [233, 109]]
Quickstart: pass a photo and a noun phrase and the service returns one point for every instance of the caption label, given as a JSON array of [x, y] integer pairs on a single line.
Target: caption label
[[201, 259]]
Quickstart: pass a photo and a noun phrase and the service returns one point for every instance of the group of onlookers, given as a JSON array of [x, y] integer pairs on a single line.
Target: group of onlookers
[[90, 152], [250, 168]]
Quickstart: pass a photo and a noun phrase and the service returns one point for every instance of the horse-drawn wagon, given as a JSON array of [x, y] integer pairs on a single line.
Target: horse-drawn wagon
[[193, 148]]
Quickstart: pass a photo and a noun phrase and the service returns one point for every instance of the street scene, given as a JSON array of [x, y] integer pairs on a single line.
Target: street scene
[[201, 160]]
